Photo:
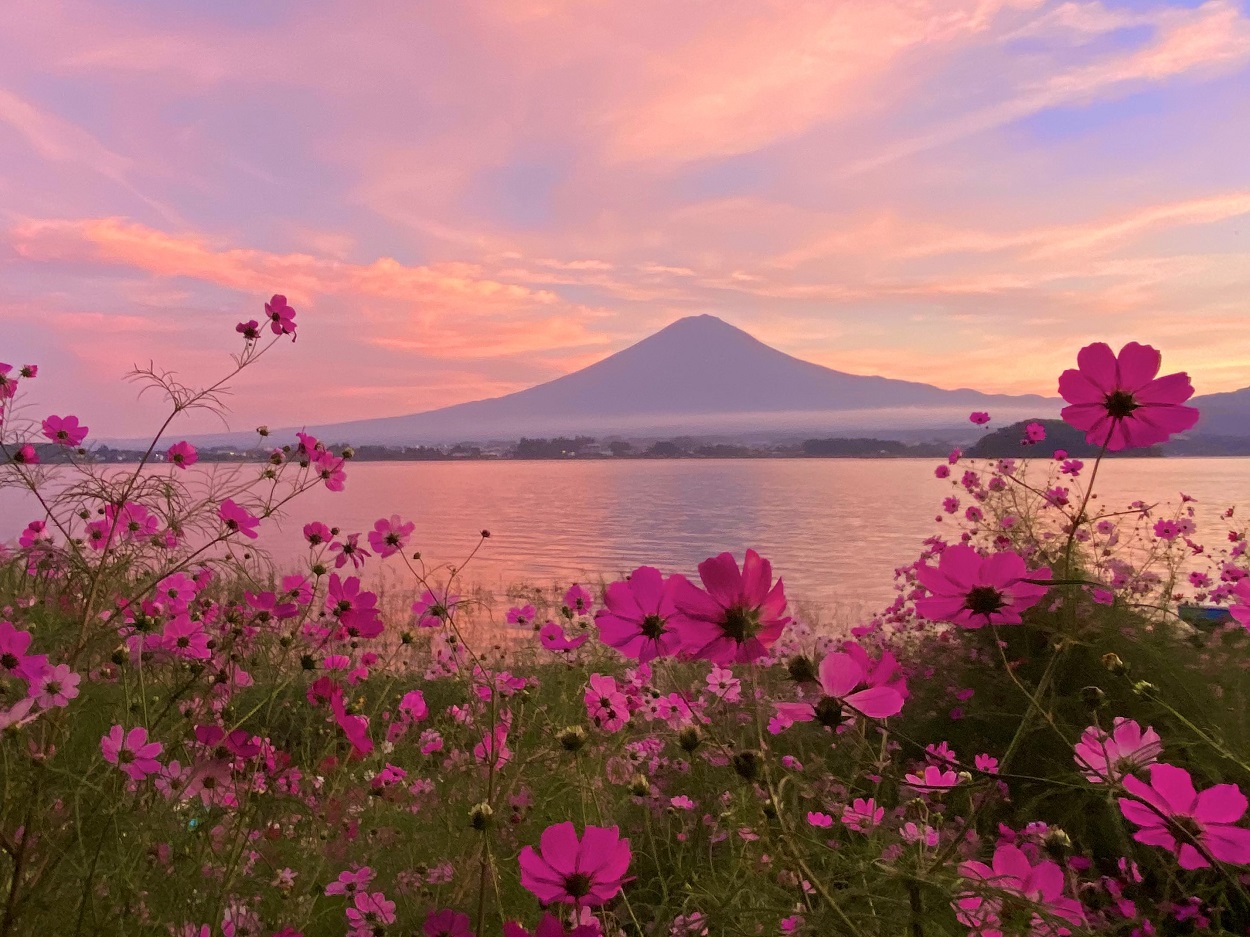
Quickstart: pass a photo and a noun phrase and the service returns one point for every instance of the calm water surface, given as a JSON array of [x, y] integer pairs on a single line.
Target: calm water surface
[[834, 528]]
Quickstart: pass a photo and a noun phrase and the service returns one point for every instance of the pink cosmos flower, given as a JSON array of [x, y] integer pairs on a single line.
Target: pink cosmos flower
[[493, 748], [1166, 529], [979, 417], [995, 906], [447, 923], [390, 535], [349, 550], [351, 881], [250, 330], [330, 468], [32, 534], [14, 660], [64, 430], [1034, 433], [578, 601], [971, 590], [131, 751], [370, 910], [26, 455], [56, 686], [637, 613], [1102, 757], [862, 815], [606, 705], [881, 694], [723, 685], [281, 316], [354, 607], [18, 714], [1171, 814], [738, 617], [551, 926], [8, 385], [932, 780], [521, 615], [432, 610], [182, 454], [1241, 610], [186, 638], [1117, 400], [356, 728], [553, 638], [237, 519], [585, 872]]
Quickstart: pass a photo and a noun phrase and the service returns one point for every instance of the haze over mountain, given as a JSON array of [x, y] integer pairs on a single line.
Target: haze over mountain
[[702, 376], [697, 375]]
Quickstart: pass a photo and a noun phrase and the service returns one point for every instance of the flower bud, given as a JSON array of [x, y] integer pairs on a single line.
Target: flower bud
[[481, 815], [1057, 843], [689, 739], [801, 669], [1092, 696], [1143, 688], [571, 738], [1112, 662]]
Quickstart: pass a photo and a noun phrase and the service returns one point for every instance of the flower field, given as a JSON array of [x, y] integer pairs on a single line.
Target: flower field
[[1028, 740]]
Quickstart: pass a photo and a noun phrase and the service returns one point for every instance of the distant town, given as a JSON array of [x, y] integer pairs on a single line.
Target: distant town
[[1006, 442]]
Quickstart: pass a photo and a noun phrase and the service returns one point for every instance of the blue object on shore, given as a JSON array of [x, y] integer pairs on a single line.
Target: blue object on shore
[[1204, 616]]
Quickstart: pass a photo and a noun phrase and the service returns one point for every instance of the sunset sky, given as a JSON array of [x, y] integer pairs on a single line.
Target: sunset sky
[[465, 198]]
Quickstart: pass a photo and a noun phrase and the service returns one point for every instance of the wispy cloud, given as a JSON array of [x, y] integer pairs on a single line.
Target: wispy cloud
[[466, 198]]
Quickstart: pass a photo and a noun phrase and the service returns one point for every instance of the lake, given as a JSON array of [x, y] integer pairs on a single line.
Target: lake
[[835, 529]]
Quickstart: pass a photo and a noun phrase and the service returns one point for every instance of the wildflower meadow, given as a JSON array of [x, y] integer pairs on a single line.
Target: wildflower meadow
[[1030, 739]]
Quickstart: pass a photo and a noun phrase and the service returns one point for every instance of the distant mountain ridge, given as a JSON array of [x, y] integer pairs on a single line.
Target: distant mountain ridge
[[698, 374], [702, 376]]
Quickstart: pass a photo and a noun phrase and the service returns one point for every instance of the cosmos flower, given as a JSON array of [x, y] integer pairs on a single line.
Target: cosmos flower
[[972, 590], [64, 430], [131, 751], [736, 617], [584, 871], [182, 454], [1118, 401], [237, 519], [1104, 756], [281, 316], [1001, 895], [1172, 815], [637, 613]]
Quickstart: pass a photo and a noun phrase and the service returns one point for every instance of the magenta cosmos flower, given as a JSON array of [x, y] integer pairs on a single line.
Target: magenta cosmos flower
[[995, 905], [1171, 814], [1109, 757], [64, 430], [131, 751], [182, 454], [636, 615], [281, 316], [1117, 400], [390, 535], [851, 681], [738, 618], [237, 519], [585, 872], [972, 591], [551, 926], [1241, 611]]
